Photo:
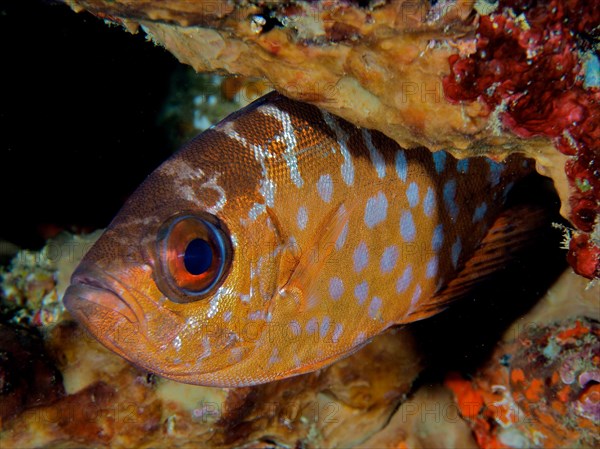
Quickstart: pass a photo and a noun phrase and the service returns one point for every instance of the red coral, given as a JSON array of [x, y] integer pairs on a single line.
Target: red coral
[[541, 386], [528, 65], [583, 256]]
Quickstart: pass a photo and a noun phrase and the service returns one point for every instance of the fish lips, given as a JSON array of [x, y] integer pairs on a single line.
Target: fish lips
[[90, 291]]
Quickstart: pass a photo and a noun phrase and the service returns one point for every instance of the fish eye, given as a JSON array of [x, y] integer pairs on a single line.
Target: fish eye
[[194, 257]]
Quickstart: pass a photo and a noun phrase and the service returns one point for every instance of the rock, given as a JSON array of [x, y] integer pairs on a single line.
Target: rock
[[539, 388], [28, 377], [111, 403]]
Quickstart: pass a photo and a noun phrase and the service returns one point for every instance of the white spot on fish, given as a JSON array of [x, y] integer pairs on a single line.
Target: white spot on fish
[[388, 259], [361, 291], [439, 160], [267, 186], [325, 188], [429, 202], [361, 257], [407, 227], [295, 328], [256, 315], [192, 322], [432, 267], [404, 281], [376, 210], [206, 346], [292, 164], [339, 243], [213, 307], [479, 212], [177, 343], [412, 194], [416, 296], [181, 170], [267, 190], [256, 210], [302, 218], [360, 338], [374, 307], [337, 332], [274, 356], [347, 167], [456, 250], [213, 185], [336, 288], [227, 316], [311, 326], [190, 181], [462, 166], [324, 327], [289, 138], [449, 199], [236, 355], [376, 157], [495, 172], [437, 239], [401, 165]]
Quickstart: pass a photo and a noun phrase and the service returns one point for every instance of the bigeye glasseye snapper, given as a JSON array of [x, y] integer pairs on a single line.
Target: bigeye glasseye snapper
[[278, 241]]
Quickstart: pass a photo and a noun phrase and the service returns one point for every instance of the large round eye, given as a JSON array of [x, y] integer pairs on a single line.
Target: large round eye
[[194, 254]]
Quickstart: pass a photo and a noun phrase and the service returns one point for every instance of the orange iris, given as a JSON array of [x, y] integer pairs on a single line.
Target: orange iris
[[193, 252]]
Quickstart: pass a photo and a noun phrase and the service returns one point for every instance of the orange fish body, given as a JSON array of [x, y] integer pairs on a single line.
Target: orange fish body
[[279, 241]]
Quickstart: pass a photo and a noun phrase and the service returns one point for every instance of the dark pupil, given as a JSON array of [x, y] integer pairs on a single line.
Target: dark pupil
[[198, 256]]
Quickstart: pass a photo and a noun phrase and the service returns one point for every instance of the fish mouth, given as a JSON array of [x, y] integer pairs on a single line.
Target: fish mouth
[[89, 285]]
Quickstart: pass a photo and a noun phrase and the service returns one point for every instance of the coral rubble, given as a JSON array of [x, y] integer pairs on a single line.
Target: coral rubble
[[111, 403], [34, 282], [539, 388]]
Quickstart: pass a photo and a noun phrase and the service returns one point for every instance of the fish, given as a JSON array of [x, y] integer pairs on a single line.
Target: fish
[[282, 239]]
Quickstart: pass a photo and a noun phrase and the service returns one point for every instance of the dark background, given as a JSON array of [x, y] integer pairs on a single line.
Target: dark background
[[78, 107]]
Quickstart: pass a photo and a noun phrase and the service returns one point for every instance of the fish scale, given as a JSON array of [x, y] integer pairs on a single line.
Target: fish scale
[[335, 234]]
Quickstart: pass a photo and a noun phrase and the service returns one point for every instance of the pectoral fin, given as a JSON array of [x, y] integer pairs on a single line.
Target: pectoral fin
[[304, 276]]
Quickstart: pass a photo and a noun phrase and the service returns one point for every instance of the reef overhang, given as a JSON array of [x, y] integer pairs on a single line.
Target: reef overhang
[[470, 77]]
